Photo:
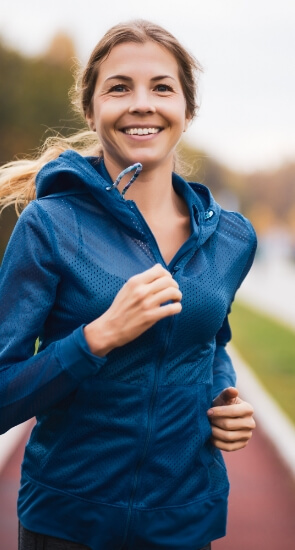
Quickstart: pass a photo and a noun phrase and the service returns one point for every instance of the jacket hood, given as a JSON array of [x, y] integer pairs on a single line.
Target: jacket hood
[[71, 172]]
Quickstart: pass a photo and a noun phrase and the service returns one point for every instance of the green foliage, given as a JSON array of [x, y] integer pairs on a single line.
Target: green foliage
[[33, 98], [268, 347]]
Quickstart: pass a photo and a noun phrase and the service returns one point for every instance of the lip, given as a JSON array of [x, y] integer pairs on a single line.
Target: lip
[[143, 137], [146, 125]]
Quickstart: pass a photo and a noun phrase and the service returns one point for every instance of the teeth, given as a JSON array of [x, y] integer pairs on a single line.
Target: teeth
[[141, 131]]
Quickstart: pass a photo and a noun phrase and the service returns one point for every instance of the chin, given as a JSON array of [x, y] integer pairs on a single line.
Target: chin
[[150, 162]]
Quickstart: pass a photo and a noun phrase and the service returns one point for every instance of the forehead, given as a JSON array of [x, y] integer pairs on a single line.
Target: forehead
[[149, 59]]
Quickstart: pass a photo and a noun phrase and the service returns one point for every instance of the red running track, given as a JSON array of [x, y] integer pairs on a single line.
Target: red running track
[[261, 505]]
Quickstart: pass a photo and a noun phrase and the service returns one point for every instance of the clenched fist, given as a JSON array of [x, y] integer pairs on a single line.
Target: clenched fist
[[137, 306], [231, 420]]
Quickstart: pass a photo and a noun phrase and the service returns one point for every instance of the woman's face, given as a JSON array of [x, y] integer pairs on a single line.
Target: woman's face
[[138, 107]]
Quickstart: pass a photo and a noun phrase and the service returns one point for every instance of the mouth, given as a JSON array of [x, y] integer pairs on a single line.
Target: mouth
[[141, 131]]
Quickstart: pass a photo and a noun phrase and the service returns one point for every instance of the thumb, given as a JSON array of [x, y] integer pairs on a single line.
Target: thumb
[[226, 397]]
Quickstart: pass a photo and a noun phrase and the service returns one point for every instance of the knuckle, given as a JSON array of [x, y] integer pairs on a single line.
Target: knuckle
[[178, 294], [231, 437], [231, 447], [148, 317], [146, 306], [229, 425], [176, 307], [139, 292], [222, 424], [167, 283], [132, 282], [160, 269], [251, 425]]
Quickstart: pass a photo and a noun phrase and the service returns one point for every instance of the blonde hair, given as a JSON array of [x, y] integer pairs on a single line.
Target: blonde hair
[[17, 178]]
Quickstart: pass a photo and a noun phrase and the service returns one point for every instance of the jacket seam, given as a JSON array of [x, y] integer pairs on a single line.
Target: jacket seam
[[174, 506], [70, 495], [159, 385], [50, 231], [59, 194]]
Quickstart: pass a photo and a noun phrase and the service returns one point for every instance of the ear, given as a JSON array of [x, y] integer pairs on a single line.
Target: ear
[[188, 119], [90, 123]]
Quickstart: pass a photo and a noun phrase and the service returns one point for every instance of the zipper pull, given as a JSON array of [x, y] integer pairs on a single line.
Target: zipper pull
[[175, 269], [208, 214]]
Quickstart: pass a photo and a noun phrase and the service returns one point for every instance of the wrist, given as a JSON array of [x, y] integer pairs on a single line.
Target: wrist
[[99, 339]]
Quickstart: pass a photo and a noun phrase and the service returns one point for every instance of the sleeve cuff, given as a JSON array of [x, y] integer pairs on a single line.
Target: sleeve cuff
[[75, 356]]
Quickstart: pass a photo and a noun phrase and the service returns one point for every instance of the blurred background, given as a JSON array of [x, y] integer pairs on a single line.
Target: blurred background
[[242, 146]]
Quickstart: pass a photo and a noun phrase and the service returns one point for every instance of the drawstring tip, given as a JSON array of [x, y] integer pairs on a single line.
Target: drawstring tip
[[137, 167]]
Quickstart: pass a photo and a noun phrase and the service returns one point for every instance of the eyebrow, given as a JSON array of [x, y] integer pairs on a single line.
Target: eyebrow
[[128, 78]]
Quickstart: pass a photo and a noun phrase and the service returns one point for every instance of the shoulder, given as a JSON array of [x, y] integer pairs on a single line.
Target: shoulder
[[237, 225], [56, 206], [231, 223]]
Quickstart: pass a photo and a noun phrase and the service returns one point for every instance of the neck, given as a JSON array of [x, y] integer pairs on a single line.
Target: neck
[[152, 191]]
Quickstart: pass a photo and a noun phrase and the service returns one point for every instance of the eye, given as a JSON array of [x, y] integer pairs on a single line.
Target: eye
[[163, 88], [118, 88]]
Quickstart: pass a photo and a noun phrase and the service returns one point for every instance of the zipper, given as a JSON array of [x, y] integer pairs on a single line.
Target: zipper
[[147, 233], [150, 239], [150, 417]]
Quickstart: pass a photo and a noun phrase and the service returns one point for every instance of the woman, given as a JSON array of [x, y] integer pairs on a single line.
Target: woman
[[127, 281]]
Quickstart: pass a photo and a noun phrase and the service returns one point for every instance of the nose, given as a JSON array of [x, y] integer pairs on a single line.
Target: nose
[[142, 102]]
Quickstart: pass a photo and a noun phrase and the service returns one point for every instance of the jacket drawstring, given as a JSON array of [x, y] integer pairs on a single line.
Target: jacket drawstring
[[137, 167]]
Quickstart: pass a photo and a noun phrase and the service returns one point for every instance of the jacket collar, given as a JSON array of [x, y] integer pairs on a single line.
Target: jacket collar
[[72, 172]]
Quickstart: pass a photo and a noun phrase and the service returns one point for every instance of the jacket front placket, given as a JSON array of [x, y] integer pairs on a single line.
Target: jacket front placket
[[175, 267]]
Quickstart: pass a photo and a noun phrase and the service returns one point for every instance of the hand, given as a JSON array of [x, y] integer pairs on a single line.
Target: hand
[[137, 306], [232, 421]]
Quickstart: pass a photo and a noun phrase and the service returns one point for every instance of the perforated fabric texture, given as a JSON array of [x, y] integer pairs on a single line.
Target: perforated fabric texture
[[128, 431]]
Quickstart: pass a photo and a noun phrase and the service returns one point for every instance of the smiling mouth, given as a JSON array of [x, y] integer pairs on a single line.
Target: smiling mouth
[[141, 131]]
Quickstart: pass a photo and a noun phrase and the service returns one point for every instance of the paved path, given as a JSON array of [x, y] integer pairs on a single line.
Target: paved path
[[261, 506], [262, 500], [9, 484]]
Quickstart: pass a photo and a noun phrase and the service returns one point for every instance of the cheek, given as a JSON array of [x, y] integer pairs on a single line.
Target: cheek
[[108, 113]]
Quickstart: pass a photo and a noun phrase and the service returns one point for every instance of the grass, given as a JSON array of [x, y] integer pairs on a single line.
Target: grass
[[269, 348]]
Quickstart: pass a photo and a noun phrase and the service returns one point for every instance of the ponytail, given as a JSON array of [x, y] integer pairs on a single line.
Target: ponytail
[[17, 178]]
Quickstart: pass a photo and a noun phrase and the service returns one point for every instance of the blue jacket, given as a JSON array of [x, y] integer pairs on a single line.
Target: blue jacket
[[120, 455]]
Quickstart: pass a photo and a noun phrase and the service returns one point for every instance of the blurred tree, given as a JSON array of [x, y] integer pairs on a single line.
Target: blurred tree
[[33, 100], [34, 97], [7, 222], [61, 50], [267, 198]]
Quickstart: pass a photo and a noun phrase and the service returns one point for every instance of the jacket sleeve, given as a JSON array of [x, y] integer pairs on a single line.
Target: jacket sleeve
[[29, 277], [223, 371]]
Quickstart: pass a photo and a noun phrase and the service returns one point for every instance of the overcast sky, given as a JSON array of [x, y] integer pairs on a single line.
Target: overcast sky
[[247, 115]]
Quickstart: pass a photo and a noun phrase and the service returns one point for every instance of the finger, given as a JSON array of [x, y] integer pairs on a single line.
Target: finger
[[229, 446], [145, 296], [228, 396], [231, 436], [233, 424], [161, 283], [167, 310], [150, 275], [234, 411], [161, 297]]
